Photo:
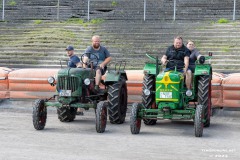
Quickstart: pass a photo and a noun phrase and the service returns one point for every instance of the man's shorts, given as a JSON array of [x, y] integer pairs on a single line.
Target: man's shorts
[[103, 71], [192, 68]]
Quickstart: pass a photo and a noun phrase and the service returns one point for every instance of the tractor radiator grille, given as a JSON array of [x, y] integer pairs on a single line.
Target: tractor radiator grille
[[68, 83]]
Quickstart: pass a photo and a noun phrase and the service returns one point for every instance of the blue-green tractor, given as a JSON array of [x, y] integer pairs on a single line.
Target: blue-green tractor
[[75, 89], [164, 96]]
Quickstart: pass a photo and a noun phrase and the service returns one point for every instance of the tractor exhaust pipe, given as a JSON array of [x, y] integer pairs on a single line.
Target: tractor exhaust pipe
[[157, 70]]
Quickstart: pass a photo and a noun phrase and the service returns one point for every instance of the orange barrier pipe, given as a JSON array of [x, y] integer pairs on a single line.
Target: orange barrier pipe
[[231, 82], [216, 93], [231, 103], [32, 83], [30, 95], [231, 95], [4, 83]]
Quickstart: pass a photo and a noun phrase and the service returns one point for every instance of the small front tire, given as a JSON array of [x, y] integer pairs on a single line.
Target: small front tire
[[135, 121], [101, 117], [39, 114], [198, 121]]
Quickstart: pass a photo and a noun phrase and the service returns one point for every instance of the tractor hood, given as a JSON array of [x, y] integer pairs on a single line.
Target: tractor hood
[[77, 72]]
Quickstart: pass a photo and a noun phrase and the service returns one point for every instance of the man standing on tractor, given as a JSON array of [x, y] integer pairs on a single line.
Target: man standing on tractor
[[103, 56], [178, 54]]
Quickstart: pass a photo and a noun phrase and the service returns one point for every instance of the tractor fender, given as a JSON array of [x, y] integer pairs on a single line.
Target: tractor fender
[[150, 68], [203, 70], [114, 76]]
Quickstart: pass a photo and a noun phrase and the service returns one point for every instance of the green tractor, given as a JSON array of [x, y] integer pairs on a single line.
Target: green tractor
[[75, 89], [164, 96]]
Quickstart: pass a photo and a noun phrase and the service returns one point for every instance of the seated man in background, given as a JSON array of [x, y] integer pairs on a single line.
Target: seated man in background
[[103, 56], [74, 62], [195, 55], [179, 53]]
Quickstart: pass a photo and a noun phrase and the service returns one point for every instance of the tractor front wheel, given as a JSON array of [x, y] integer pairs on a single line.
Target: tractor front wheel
[[204, 97], [149, 100], [117, 101], [66, 114], [101, 116], [135, 121], [39, 114], [198, 121]]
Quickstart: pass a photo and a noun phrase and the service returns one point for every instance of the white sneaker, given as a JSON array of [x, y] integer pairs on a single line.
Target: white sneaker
[[189, 92]]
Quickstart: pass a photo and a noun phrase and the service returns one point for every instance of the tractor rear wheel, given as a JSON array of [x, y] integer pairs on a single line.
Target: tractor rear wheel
[[148, 101], [66, 114], [39, 114], [117, 101], [135, 121], [204, 97], [198, 121], [101, 117]]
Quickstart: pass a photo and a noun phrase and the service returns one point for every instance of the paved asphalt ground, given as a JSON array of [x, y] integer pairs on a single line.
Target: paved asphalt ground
[[78, 140]]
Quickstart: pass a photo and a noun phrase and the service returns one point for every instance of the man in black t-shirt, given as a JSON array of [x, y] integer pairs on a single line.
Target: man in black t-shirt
[[178, 55]]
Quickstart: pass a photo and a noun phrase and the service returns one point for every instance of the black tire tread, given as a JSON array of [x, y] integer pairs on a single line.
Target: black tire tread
[[99, 121], [203, 97], [116, 111], [133, 119], [198, 124], [39, 111], [147, 101], [66, 114]]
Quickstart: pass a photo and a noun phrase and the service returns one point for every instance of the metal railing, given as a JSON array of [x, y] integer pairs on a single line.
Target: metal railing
[[174, 9], [144, 9]]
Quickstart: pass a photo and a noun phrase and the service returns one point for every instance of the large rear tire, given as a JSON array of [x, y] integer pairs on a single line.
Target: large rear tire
[[204, 97], [101, 117], [66, 114], [135, 121], [198, 121], [117, 101], [148, 101], [39, 114]]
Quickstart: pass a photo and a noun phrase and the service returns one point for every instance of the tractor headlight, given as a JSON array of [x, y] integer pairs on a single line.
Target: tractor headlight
[[87, 81], [51, 80], [147, 92]]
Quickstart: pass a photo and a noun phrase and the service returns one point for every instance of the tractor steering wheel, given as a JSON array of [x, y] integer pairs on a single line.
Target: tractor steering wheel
[[91, 58]]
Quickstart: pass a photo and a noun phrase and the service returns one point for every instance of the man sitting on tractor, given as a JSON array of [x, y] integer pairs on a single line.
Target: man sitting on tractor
[[178, 54], [103, 56], [74, 61], [195, 55]]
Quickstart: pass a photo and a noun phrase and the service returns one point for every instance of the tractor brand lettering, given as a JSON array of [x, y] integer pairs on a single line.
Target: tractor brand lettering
[[166, 90]]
